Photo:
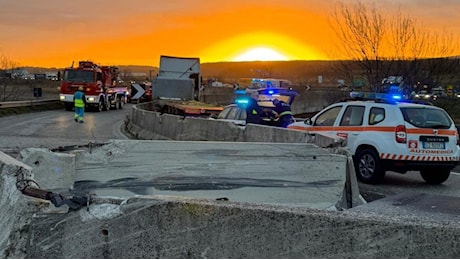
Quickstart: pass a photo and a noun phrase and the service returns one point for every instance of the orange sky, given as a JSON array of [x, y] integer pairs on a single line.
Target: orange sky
[[53, 33]]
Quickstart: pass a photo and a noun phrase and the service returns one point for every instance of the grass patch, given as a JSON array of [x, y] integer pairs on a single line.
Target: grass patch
[[10, 111]]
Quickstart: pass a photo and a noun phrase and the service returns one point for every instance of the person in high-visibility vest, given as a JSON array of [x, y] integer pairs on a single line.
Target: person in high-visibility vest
[[79, 101], [282, 111], [254, 112]]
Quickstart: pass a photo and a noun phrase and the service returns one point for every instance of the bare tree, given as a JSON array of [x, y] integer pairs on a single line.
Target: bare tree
[[361, 29], [7, 68], [384, 44]]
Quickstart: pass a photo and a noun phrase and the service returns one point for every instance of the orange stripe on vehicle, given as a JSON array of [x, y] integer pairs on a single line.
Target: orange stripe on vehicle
[[427, 131], [430, 131]]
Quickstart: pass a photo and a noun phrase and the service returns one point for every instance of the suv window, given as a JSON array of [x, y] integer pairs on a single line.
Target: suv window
[[426, 117], [353, 116], [376, 115], [328, 117]]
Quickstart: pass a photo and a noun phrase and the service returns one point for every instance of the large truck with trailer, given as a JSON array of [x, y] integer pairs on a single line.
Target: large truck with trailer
[[102, 86], [177, 88]]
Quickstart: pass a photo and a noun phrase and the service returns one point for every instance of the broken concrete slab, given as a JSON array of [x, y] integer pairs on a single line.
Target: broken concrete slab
[[52, 171], [295, 174]]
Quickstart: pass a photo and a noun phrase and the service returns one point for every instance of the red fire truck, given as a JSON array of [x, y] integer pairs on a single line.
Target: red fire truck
[[102, 86]]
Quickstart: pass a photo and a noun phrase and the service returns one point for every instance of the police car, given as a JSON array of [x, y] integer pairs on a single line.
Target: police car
[[266, 96], [386, 134]]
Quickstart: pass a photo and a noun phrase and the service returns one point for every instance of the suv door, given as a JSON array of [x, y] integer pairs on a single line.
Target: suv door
[[351, 122], [328, 117]]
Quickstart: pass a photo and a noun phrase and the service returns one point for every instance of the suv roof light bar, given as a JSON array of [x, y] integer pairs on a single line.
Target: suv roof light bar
[[384, 97]]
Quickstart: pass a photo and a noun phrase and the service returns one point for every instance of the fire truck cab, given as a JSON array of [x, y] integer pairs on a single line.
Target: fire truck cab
[[101, 85]]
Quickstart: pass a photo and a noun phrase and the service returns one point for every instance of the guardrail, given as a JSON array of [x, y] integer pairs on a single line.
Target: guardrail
[[27, 103]]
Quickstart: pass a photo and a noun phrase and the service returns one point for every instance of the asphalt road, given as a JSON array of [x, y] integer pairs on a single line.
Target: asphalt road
[[56, 128]]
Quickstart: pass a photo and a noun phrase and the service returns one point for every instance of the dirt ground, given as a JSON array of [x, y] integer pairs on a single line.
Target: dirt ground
[[20, 90]]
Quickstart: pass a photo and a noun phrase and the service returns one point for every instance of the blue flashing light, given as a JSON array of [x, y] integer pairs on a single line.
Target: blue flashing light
[[241, 101], [240, 91], [376, 96], [396, 97], [271, 92]]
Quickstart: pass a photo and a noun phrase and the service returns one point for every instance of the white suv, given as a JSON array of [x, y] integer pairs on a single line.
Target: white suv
[[392, 136]]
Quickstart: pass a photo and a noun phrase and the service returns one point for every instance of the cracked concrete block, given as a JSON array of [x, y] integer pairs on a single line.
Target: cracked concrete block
[[52, 171]]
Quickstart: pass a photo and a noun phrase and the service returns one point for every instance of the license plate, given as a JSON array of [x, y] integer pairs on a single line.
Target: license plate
[[434, 145]]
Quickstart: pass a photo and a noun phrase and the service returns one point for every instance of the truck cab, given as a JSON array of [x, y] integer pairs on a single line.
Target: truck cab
[[99, 83]]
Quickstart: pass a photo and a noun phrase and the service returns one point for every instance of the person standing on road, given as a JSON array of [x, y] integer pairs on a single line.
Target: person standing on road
[[283, 112], [79, 101], [254, 112]]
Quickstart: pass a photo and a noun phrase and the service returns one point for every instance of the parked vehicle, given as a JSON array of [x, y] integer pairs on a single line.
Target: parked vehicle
[[102, 86], [384, 134], [233, 113]]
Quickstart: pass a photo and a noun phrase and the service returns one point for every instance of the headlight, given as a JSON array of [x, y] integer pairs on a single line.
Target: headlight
[[61, 97], [91, 99]]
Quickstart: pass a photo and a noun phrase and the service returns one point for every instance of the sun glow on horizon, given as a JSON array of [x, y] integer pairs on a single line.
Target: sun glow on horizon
[[261, 54], [260, 46]]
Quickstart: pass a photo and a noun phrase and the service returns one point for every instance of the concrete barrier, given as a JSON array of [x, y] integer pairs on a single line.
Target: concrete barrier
[[174, 227], [150, 125], [16, 212]]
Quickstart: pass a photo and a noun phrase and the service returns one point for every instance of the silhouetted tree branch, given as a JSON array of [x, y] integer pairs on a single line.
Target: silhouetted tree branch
[[384, 44]]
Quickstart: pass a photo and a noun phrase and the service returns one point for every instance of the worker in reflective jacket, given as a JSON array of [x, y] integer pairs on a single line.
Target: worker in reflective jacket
[[254, 112], [283, 113], [79, 101]]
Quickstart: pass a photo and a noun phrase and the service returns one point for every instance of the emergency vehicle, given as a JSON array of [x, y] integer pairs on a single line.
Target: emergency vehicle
[[101, 84], [265, 100], [385, 133]]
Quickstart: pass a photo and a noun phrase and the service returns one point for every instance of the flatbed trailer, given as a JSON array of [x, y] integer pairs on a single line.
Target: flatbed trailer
[[186, 107]]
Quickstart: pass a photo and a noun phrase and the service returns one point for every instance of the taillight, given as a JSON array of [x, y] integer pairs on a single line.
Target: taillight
[[400, 134]]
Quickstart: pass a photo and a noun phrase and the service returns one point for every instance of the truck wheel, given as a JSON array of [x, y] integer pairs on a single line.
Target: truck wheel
[[100, 106], [120, 102], [106, 106], [435, 176], [115, 106], [368, 166]]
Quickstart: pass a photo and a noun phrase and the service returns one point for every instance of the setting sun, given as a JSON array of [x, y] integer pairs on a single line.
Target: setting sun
[[261, 54], [260, 46]]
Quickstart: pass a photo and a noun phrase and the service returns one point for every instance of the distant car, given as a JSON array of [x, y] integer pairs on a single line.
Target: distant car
[[423, 95]]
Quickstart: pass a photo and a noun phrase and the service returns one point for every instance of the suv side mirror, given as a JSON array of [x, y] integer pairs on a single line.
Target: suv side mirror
[[307, 121]]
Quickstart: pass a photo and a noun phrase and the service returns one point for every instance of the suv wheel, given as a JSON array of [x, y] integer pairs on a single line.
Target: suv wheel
[[368, 166], [435, 176]]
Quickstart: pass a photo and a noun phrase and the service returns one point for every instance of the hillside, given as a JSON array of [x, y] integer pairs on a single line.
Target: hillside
[[299, 72]]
